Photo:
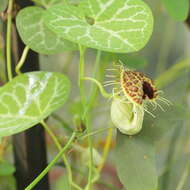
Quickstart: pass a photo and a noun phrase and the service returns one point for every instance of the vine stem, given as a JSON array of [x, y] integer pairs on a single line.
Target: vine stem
[[183, 178], [90, 164], [8, 39], [93, 92], [58, 145], [102, 90], [52, 163], [81, 74], [94, 132], [22, 60], [106, 148], [85, 118]]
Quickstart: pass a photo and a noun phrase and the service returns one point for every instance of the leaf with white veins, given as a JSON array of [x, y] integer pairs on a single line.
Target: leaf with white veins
[[116, 26], [37, 36], [29, 98]]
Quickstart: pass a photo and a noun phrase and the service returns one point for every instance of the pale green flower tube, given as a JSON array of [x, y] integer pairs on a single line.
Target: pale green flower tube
[[127, 117]]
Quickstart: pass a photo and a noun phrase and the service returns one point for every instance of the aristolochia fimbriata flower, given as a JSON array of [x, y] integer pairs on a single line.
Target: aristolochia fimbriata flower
[[131, 95]]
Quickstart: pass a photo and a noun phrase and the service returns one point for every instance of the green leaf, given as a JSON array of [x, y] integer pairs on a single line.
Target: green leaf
[[3, 5], [29, 98], [156, 128], [6, 168], [134, 158], [37, 36], [178, 9], [115, 26]]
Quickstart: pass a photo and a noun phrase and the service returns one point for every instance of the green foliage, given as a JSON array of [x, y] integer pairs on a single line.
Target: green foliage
[[178, 9], [135, 162], [29, 98], [37, 36], [115, 26], [6, 168]]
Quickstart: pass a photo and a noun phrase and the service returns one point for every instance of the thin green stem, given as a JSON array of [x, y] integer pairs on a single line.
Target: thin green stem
[[95, 132], [22, 60], [58, 145], [52, 163], [106, 149], [85, 118], [8, 39], [183, 178], [91, 163], [95, 75], [52, 135], [93, 92], [102, 90], [81, 74]]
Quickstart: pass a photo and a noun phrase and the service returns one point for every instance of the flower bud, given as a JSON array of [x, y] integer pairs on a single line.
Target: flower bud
[[126, 116]]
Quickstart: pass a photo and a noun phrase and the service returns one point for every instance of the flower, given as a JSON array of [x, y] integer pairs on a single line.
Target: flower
[[132, 93], [127, 117]]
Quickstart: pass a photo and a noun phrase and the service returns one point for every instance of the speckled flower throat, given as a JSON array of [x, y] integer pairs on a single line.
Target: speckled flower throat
[[137, 87]]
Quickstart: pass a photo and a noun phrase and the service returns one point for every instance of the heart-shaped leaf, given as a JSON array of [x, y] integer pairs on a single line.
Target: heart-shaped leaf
[[178, 9], [115, 26], [29, 98], [37, 36], [134, 158]]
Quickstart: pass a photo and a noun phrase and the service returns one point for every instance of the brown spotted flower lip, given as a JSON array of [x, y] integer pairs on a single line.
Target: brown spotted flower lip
[[137, 87]]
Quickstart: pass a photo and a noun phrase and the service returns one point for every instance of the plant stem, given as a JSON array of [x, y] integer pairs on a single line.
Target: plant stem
[[102, 90], [22, 60], [52, 163], [183, 178], [58, 145], [8, 39], [106, 148], [95, 132], [85, 118], [94, 88], [91, 164], [81, 74]]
